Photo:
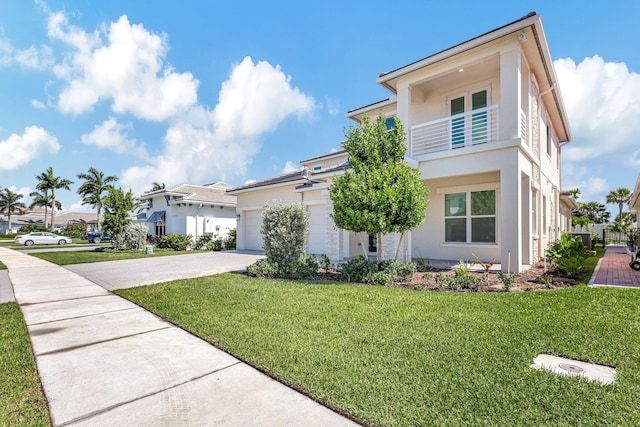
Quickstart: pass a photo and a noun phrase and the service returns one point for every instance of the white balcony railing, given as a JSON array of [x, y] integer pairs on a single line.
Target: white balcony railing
[[461, 130]]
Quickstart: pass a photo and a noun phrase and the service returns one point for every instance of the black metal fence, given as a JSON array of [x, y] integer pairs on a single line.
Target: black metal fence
[[621, 238]]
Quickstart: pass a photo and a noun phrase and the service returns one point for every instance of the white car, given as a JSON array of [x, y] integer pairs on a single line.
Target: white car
[[41, 238]]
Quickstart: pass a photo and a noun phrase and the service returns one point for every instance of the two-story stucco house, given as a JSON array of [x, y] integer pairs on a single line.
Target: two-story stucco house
[[485, 124], [190, 209]]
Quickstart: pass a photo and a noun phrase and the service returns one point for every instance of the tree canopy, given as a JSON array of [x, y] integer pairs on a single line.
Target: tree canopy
[[619, 197], [50, 183], [117, 206], [379, 192], [93, 187], [10, 203]]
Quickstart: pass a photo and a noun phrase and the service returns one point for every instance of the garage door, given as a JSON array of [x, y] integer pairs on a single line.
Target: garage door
[[252, 225], [317, 240]]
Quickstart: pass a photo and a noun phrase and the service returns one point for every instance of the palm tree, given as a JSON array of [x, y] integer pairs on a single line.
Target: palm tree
[[49, 182], [157, 186], [95, 183], [10, 203], [619, 197], [42, 199]]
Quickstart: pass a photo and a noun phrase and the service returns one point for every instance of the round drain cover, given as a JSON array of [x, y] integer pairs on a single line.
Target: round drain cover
[[571, 368]]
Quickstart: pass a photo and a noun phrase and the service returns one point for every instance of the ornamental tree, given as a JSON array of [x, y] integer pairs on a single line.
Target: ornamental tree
[[117, 206], [379, 193]]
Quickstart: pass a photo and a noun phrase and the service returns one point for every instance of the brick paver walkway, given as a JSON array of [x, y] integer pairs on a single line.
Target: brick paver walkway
[[614, 269]]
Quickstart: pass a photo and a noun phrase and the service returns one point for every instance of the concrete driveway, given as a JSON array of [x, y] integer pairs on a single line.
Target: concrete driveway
[[145, 271]]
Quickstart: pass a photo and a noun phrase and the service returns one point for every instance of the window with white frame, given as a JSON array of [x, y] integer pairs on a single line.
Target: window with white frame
[[470, 217]]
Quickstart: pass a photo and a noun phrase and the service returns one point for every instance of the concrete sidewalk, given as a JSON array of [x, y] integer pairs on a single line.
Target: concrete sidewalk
[[104, 361]]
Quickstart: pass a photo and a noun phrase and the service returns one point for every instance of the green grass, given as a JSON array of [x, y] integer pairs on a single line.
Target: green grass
[[2, 266], [21, 398], [395, 357], [102, 254]]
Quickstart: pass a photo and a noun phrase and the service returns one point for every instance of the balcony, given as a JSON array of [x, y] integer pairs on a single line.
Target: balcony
[[461, 130]]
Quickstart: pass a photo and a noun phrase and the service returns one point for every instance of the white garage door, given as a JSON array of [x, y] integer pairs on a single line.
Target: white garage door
[[317, 240], [252, 225]]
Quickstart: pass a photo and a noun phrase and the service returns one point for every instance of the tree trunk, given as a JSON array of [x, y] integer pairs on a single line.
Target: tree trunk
[[399, 245], [46, 213], [379, 251], [9, 218], [53, 211], [364, 247]]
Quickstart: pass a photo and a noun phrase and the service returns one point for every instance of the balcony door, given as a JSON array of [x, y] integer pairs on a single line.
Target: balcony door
[[472, 128]]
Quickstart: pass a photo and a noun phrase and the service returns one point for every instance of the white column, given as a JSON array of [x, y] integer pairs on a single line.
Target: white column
[[510, 221], [510, 81], [403, 103]]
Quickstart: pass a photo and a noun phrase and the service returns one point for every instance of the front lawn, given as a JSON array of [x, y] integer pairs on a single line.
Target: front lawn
[[102, 254], [21, 398], [397, 357]]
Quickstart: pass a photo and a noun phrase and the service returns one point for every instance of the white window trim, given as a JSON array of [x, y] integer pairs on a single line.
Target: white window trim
[[468, 189]]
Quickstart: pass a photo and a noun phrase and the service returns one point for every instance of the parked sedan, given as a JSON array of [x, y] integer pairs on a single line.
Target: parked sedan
[[41, 238]]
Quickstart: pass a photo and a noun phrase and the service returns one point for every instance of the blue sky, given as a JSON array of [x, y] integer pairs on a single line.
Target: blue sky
[[233, 91]]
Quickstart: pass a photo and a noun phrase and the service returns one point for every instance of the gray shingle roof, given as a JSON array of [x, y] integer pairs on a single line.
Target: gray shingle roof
[[209, 193]]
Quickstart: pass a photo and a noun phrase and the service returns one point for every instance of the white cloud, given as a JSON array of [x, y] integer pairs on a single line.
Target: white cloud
[[38, 105], [332, 105], [79, 207], [591, 187], [128, 69], [33, 57], [255, 99], [111, 135], [18, 150], [290, 167], [601, 102], [204, 145]]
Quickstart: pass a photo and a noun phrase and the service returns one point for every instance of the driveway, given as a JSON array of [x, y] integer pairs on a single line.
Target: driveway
[[145, 271]]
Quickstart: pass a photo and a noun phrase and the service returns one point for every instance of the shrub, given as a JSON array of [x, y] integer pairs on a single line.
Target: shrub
[[359, 267], [304, 267], [568, 255], [325, 263], [135, 236], [284, 229], [229, 243], [215, 245], [30, 228], [507, 280], [118, 241], [381, 278], [75, 226], [177, 242], [399, 272], [202, 242], [262, 268], [74, 234]]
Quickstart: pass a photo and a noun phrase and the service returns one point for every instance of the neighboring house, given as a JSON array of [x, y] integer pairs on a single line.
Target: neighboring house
[[190, 209], [36, 216], [485, 124]]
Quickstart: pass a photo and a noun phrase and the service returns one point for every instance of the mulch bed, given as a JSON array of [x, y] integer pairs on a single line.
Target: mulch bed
[[531, 280]]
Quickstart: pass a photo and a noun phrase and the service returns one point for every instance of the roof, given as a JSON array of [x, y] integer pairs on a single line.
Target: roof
[[215, 193], [291, 177], [527, 16], [302, 176], [535, 46], [36, 216]]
